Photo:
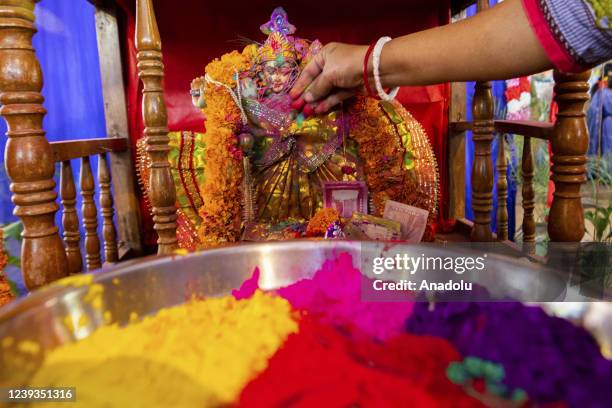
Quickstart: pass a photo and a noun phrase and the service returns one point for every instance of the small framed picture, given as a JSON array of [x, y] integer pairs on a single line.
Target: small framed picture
[[346, 196]]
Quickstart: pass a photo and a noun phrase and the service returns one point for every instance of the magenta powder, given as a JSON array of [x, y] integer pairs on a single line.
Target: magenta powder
[[248, 287], [333, 295]]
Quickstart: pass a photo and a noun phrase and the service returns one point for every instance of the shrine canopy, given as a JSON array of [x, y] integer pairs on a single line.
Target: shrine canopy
[[194, 32]]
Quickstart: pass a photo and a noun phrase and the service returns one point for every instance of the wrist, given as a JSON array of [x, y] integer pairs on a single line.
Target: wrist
[[385, 73], [381, 75]]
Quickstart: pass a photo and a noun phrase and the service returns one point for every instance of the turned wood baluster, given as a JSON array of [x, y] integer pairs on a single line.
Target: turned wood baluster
[[162, 193], [106, 208], [90, 217], [528, 193], [70, 220], [569, 144], [482, 167], [502, 191], [29, 159]]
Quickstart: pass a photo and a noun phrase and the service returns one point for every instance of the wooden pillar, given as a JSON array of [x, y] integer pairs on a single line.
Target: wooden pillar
[[456, 153], [502, 191], [29, 159], [528, 193], [162, 192], [569, 144], [115, 112], [482, 167]]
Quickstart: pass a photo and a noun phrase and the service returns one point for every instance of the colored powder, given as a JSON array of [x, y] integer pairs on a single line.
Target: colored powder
[[201, 353], [322, 366], [248, 287], [333, 295], [548, 357]]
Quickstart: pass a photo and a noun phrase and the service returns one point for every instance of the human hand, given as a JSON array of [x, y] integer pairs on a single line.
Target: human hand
[[335, 74], [197, 92]]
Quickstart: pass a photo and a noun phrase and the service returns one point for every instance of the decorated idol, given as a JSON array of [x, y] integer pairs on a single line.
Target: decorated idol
[[265, 164]]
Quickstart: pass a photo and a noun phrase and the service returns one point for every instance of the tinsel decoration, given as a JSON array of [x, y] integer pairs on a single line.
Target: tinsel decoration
[[249, 201]]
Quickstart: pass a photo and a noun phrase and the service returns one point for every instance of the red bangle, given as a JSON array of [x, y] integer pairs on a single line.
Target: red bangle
[[366, 81]]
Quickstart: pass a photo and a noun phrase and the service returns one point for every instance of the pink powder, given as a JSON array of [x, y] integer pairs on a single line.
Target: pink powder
[[334, 296], [248, 287]]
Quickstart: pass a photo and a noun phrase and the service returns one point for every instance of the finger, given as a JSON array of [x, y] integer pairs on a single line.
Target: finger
[[334, 99], [319, 88], [312, 70], [308, 110], [298, 104]]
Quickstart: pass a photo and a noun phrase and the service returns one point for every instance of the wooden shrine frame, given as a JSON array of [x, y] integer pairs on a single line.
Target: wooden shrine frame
[[31, 158]]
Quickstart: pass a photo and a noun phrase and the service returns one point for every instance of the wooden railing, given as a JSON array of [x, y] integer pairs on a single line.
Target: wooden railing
[[64, 152], [568, 138]]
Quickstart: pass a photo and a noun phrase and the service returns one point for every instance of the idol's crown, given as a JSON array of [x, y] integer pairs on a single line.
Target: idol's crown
[[279, 46]]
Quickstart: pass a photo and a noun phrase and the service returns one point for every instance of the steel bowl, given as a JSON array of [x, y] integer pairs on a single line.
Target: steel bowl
[[142, 287]]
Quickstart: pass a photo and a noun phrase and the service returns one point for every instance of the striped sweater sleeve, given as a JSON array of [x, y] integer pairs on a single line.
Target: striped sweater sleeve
[[575, 34]]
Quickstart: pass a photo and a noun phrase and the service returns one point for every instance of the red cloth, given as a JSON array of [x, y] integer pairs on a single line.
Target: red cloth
[[194, 32]]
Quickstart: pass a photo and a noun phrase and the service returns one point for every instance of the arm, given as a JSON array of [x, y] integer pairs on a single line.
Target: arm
[[497, 43]]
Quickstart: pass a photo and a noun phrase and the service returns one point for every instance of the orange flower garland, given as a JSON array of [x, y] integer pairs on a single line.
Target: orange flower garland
[[221, 190], [5, 289], [317, 226]]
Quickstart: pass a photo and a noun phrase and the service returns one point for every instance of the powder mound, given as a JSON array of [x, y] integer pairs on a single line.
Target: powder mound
[[548, 357], [333, 295], [322, 366], [198, 354]]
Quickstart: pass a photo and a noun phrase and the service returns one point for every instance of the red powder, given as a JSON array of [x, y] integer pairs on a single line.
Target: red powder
[[333, 296], [321, 366]]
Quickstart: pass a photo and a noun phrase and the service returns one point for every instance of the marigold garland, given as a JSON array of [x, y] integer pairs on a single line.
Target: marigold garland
[[317, 226], [221, 190], [5, 289]]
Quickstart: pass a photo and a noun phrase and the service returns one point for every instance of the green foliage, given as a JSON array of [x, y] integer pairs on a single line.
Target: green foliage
[[602, 9], [13, 230], [601, 218]]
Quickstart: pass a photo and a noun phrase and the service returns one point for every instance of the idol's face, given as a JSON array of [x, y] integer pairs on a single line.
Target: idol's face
[[277, 76]]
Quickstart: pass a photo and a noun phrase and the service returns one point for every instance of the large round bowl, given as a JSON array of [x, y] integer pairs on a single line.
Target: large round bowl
[[142, 287]]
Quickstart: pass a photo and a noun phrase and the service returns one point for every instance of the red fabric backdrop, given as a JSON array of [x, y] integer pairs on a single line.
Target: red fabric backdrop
[[194, 32]]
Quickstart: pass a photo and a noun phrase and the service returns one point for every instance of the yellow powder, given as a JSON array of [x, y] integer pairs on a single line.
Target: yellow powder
[[76, 280], [7, 342], [28, 347], [198, 354], [107, 317]]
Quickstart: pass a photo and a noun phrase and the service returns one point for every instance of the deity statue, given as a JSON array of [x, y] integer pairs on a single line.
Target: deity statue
[[264, 162], [292, 155]]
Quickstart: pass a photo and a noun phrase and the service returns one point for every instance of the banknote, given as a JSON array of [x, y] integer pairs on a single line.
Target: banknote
[[412, 219]]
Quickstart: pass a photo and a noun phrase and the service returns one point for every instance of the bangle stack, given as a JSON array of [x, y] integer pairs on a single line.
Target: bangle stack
[[376, 49]]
